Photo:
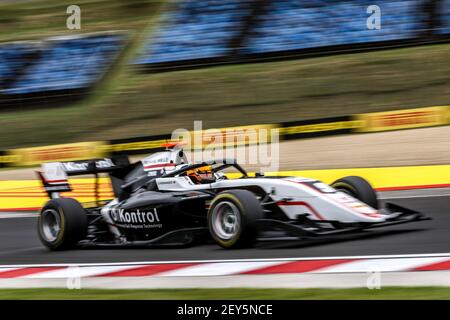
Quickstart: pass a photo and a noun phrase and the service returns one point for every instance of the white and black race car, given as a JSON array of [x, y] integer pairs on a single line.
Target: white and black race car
[[164, 200]]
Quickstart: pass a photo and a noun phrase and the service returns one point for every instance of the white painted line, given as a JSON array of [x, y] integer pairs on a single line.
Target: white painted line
[[13, 215], [303, 280], [414, 196], [380, 265], [414, 193], [428, 255], [217, 269], [75, 272], [6, 270]]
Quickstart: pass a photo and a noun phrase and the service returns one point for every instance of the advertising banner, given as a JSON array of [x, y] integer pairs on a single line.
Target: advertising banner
[[402, 119], [55, 153], [317, 127]]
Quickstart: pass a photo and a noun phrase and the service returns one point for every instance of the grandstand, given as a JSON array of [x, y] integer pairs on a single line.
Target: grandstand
[[14, 58], [195, 33], [227, 96], [194, 30], [63, 64], [445, 10], [293, 25]]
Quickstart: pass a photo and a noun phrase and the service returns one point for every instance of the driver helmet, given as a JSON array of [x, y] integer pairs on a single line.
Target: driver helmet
[[199, 174]]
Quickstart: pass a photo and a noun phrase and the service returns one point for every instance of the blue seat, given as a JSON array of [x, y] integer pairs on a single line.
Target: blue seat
[[196, 30], [445, 16], [292, 24], [69, 64], [13, 58]]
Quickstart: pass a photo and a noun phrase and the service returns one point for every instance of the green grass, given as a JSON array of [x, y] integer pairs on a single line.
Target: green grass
[[129, 103], [37, 19], [390, 293]]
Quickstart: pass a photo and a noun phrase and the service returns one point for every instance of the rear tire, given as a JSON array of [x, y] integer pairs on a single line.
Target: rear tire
[[358, 188], [62, 224], [233, 218]]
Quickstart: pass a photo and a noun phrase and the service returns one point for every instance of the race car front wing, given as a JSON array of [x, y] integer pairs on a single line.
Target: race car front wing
[[313, 229]]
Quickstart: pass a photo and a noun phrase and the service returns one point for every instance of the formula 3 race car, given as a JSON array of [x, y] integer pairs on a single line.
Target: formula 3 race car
[[164, 200]]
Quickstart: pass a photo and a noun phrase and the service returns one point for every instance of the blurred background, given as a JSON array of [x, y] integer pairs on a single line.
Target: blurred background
[[83, 79], [139, 67]]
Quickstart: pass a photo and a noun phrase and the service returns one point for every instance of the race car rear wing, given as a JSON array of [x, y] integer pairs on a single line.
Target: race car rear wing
[[54, 175]]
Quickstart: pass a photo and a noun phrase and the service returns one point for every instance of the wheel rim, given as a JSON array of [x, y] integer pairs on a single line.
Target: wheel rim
[[50, 224], [226, 221]]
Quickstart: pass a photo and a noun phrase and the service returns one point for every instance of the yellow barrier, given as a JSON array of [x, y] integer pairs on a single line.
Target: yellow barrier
[[28, 194], [385, 178], [62, 152], [321, 127], [232, 136], [402, 119]]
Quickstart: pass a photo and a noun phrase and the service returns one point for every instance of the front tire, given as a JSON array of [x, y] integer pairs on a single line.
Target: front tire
[[358, 188], [233, 218], [62, 224]]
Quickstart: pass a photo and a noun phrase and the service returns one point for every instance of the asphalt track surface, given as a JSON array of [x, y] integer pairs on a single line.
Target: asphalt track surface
[[19, 243]]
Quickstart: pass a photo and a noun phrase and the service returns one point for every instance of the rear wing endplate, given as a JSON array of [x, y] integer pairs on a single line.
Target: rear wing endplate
[[54, 175]]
